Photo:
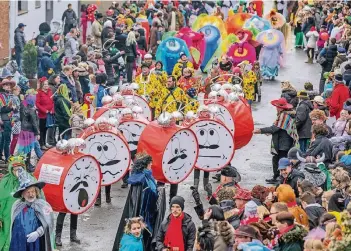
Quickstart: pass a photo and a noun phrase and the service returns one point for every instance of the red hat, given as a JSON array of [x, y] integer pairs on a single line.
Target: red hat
[[243, 194], [236, 70], [281, 103]]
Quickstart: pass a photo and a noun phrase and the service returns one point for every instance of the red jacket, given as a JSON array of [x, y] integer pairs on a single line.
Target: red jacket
[[44, 103], [336, 101]]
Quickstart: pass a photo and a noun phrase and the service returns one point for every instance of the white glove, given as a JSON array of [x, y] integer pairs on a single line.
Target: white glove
[[33, 236]]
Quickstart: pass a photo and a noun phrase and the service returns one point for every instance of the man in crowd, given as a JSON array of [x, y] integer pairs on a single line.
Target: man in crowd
[[19, 44]]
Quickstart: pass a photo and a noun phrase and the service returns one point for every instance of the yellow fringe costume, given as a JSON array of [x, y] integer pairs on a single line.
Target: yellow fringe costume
[[178, 67], [249, 81], [150, 88], [167, 99]]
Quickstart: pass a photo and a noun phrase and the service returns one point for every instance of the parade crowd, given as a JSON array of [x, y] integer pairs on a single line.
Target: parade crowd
[[304, 206]]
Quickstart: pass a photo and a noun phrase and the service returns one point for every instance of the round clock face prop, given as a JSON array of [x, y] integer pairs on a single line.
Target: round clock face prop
[[112, 153], [180, 156], [108, 113], [132, 130], [147, 113], [81, 185], [216, 144], [224, 115]]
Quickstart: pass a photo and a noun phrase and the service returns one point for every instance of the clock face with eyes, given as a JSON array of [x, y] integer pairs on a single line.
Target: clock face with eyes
[[180, 156], [112, 153], [132, 130], [81, 185], [115, 113], [224, 115], [216, 144], [147, 113]]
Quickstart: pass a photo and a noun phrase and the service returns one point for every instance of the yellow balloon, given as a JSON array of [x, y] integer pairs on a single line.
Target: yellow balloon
[[205, 19]]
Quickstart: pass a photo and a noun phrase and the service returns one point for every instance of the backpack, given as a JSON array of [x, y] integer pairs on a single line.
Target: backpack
[[41, 40]]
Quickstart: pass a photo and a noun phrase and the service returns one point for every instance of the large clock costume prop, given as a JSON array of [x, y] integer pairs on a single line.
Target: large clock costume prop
[[216, 143], [110, 149], [72, 178], [174, 149]]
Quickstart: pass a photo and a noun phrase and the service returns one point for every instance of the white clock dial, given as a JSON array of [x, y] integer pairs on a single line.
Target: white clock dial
[[111, 152], [224, 115], [216, 144], [132, 130], [180, 156], [81, 185], [147, 113]]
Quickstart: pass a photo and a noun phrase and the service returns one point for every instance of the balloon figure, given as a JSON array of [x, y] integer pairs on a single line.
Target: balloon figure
[[236, 21], [256, 24], [213, 39], [196, 44], [241, 52], [168, 52], [204, 20]]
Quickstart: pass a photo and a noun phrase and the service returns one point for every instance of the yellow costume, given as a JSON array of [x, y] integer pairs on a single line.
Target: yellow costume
[[161, 77], [167, 98], [249, 81], [149, 87], [178, 67]]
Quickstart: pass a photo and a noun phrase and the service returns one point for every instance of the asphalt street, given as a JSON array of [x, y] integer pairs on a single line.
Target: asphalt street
[[97, 227]]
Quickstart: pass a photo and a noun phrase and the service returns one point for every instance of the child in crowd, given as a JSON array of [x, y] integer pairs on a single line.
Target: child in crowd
[[77, 119], [101, 79], [132, 239], [15, 120]]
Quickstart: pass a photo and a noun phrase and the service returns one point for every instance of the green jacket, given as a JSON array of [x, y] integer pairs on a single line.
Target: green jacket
[[292, 240]]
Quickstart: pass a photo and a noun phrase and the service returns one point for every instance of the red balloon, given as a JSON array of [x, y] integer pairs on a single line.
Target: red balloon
[[324, 36]]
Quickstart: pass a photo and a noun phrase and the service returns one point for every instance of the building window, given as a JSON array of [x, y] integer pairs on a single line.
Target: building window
[[22, 6], [37, 4]]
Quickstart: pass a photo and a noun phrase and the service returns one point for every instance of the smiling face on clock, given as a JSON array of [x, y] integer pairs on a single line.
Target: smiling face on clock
[[216, 144], [111, 152], [224, 115], [131, 131], [180, 156], [81, 185]]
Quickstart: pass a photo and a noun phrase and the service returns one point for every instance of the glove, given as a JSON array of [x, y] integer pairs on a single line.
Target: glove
[[196, 196], [208, 189], [32, 237]]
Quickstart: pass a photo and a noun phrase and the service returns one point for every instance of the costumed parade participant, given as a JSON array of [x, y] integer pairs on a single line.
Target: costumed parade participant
[[160, 73], [225, 67], [249, 81], [144, 200], [187, 80], [32, 219], [182, 63]]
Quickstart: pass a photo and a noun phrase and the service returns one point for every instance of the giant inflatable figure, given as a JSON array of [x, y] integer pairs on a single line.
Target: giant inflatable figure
[[256, 24], [213, 39], [168, 52], [236, 21]]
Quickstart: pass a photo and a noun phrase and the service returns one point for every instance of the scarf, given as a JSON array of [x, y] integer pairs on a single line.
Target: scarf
[[63, 91], [286, 122], [174, 233]]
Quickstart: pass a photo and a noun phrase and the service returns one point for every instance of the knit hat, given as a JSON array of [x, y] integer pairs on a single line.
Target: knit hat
[[177, 200], [338, 78], [341, 50], [243, 194], [250, 208], [259, 192]]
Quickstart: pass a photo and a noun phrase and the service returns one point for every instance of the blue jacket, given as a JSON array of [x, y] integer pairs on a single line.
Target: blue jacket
[[131, 243], [45, 64], [99, 95], [71, 87]]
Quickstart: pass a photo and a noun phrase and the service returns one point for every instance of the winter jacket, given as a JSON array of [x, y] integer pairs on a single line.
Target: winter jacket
[[71, 46], [153, 39], [44, 38], [82, 55], [336, 101], [61, 116], [45, 65], [5, 110], [303, 121], [99, 95], [306, 27], [347, 77], [280, 138], [120, 40], [321, 145], [131, 243], [224, 233], [330, 55], [339, 59], [19, 39], [109, 62], [69, 17], [29, 119], [84, 83], [78, 90], [142, 44], [292, 179], [314, 212], [292, 240], [106, 34], [188, 229], [96, 30], [290, 96], [312, 39], [339, 128], [131, 52], [339, 143], [44, 103], [69, 82]]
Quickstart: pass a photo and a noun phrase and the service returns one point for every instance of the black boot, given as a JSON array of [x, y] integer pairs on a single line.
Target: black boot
[[108, 194], [259, 98], [98, 199], [73, 236], [58, 240]]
